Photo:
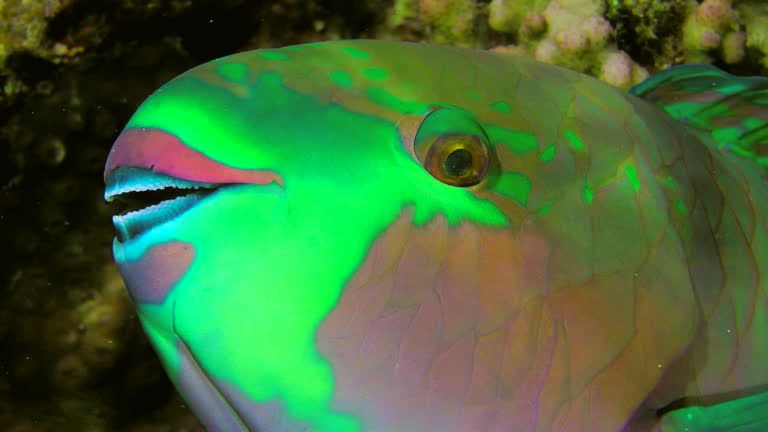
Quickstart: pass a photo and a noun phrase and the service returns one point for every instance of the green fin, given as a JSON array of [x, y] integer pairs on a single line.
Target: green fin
[[747, 414], [734, 110]]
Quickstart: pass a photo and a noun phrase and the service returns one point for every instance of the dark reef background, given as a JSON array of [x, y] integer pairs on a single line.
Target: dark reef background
[[72, 353]]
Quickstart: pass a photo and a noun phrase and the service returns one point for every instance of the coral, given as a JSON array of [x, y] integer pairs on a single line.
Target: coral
[[734, 47], [509, 16], [570, 33], [447, 21], [584, 34], [452, 20], [705, 29], [619, 70], [649, 29], [583, 41], [754, 17]]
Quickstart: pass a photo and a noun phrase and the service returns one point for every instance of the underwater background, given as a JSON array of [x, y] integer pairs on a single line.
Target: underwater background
[[72, 353]]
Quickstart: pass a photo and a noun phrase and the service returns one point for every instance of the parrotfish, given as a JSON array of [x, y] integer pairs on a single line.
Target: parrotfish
[[377, 236]]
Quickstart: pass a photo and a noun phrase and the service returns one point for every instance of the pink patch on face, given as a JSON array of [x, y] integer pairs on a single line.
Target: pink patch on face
[[150, 278], [163, 153]]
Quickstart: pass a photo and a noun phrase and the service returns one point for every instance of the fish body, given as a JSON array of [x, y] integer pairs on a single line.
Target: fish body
[[385, 236]]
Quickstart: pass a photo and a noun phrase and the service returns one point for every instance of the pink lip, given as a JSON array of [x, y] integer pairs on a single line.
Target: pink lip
[[163, 153]]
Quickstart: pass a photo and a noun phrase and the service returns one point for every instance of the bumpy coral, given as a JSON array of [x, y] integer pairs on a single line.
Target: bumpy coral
[[511, 16], [571, 33], [711, 23], [649, 29], [619, 41], [619, 70], [753, 15], [452, 20], [447, 21]]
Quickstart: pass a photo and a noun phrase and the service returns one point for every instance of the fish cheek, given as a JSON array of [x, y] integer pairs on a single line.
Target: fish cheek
[[458, 324], [418, 336]]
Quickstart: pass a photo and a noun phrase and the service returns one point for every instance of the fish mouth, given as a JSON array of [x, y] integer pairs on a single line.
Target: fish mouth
[[149, 199], [157, 178]]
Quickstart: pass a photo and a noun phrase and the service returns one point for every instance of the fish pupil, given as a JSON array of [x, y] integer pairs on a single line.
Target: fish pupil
[[458, 162]]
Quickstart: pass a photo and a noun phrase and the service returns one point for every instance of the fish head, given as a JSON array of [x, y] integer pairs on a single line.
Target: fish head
[[325, 233]]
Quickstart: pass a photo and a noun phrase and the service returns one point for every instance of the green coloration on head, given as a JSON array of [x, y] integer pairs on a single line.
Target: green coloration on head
[[544, 209], [356, 53], [235, 72], [520, 142], [514, 185], [375, 74], [670, 181], [341, 79], [501, 107], [587, 193], [631, 172], [274, 55], [548, 154], [574, 140], [681, 208], [386, 99]]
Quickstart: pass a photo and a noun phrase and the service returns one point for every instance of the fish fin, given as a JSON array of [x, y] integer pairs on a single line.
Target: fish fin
[[732, 109], [746, 414]]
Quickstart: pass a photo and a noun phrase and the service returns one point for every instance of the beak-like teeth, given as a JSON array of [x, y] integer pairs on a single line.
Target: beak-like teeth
[[131, 224], [127, 180], [156, 199]]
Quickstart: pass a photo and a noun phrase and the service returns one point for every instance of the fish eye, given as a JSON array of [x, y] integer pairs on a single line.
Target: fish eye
[[452, 147], [457, 160]]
